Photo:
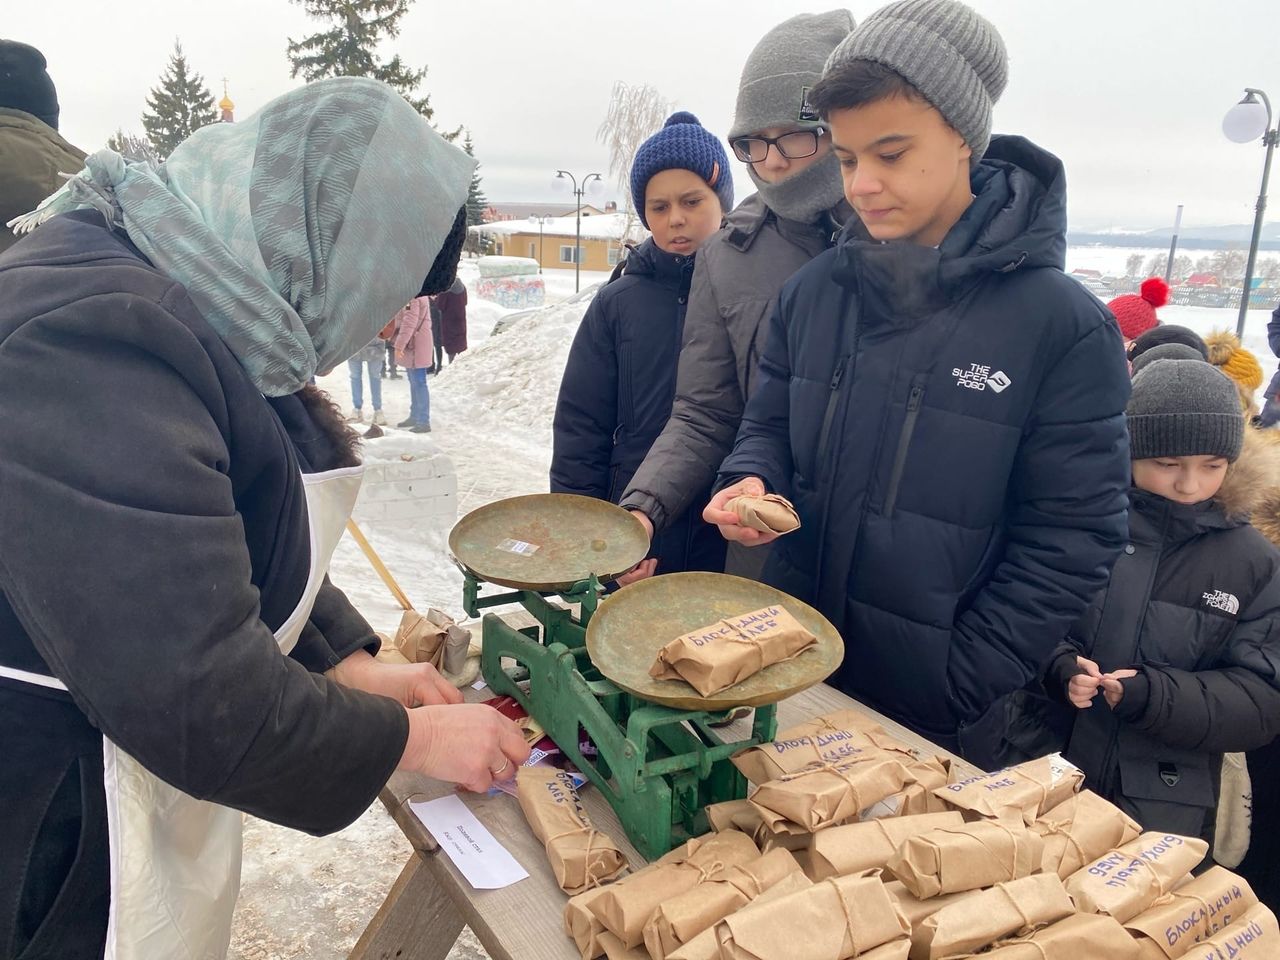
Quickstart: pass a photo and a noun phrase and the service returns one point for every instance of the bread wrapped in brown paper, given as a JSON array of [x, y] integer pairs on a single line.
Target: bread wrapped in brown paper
[[968, 857], [626, 906], [866, 845], [420, 638], [580, 855], [832, 738], [705, 946], [919, 796], [721, 654], [583, 926], [681, 918], [1016, 908], [1208, 904], [1255, 936], [823, 795], [1081, 829], [915, 909], [615, 949], [768, 514], [1080, 936], [1125, 881], [837, 919], [1023, 792]]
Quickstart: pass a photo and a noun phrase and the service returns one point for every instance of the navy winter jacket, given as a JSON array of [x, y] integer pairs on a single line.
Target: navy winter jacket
[[616, 396], [949, 424]]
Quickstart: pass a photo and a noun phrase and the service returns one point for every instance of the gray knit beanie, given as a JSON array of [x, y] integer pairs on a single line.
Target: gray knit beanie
[[1184, 408], [1166, 351], [783, 66], [944, 49]]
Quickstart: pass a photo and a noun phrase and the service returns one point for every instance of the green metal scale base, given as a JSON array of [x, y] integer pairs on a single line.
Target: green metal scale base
[[658, 767]]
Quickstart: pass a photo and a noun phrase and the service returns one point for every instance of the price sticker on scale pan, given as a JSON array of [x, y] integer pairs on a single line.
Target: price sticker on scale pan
[[519, 547]]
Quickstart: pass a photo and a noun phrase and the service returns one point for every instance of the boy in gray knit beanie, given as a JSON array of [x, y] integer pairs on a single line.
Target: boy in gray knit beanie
[[941, 404], [776, 131]]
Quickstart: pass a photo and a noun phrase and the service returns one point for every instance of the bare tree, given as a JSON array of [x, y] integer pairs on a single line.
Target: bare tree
[[1269, 269], [636, 112], [1182, 267], [1155, 265], [1133, 265], [1229, 265]]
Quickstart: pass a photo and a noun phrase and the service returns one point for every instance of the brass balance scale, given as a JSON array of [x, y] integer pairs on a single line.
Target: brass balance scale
[[584, 676]]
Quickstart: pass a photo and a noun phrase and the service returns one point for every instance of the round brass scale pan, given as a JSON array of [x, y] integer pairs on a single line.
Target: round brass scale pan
[[548, 541], [630, 627]]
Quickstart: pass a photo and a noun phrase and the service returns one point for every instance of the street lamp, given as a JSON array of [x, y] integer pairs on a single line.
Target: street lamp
[[1247, 121], [578, 191], [541, 222]]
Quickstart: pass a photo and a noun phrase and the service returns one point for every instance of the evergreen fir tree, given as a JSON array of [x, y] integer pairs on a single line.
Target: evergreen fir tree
[[477, 203], [180, 106], [349, 47]]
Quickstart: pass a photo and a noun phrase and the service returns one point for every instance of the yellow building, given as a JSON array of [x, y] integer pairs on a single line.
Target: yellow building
[[550, 240]]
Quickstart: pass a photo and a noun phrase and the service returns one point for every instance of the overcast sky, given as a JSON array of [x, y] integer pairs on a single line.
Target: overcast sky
[[1130, 93]]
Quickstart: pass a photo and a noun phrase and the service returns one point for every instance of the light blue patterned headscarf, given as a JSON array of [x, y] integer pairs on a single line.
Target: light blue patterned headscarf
[[298, 232]]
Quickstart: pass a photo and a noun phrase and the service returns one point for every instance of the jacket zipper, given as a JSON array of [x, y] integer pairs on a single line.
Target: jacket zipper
[[833, 400], [904, 442], [1112, 760]]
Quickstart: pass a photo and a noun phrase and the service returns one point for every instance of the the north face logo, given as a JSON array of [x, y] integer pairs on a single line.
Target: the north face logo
[[978, 376], [1221, 600]]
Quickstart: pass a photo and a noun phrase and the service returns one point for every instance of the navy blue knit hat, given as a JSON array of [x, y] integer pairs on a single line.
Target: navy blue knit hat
[[682, 144]]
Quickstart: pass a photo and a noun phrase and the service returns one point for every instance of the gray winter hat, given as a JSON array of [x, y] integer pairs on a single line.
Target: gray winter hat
[[1184, 408], [783, 66], [1166, 351], [944, 49]]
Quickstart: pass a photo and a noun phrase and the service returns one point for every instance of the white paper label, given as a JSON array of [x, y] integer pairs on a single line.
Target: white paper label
[[476, 853], [519, 547]]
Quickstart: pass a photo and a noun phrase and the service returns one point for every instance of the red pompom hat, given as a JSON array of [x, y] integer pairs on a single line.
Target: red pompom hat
[[1136, 312]]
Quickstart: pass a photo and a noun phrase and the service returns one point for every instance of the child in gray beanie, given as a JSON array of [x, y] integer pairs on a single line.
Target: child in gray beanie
[[795, 214], [1175, 662], [941, 403]]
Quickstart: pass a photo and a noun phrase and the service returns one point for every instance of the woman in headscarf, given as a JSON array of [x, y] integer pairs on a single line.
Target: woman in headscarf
[[171, 650]]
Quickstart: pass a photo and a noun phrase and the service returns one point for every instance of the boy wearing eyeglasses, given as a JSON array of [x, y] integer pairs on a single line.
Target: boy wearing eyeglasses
[[795, 214], [944, 406]]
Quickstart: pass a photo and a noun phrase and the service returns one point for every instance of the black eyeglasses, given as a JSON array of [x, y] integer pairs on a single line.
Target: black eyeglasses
[[794, 146]]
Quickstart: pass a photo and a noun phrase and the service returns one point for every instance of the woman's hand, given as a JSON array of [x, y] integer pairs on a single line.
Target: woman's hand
[[730, 527], [470, 744], [409, 684]]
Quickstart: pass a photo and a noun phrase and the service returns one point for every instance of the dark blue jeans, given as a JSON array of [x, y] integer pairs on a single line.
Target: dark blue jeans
[[419, 397]]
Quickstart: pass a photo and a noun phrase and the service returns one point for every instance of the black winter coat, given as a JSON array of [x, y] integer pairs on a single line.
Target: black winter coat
[[616, 396], [1194, 605], [153, 535], [1273, 340], [949, 424]]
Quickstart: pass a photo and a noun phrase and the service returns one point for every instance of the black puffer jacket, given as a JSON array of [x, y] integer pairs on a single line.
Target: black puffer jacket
[[949, 423], [616, 396], [1194, 605]]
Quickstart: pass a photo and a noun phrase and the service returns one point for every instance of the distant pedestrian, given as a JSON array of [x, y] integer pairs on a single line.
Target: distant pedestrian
[[453, 319], [414, 350], [371, 355]]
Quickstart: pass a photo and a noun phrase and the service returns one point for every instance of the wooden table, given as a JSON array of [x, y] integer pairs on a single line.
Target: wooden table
[[430, 902]]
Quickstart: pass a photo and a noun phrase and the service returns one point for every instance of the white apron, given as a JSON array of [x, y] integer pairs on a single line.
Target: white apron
[[175, 860]]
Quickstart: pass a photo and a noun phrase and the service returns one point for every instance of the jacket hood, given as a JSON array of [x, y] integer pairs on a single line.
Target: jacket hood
[[1252, 485], [1017, 220]]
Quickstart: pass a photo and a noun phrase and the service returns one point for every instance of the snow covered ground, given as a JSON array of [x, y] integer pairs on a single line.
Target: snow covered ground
[[491, 413]]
